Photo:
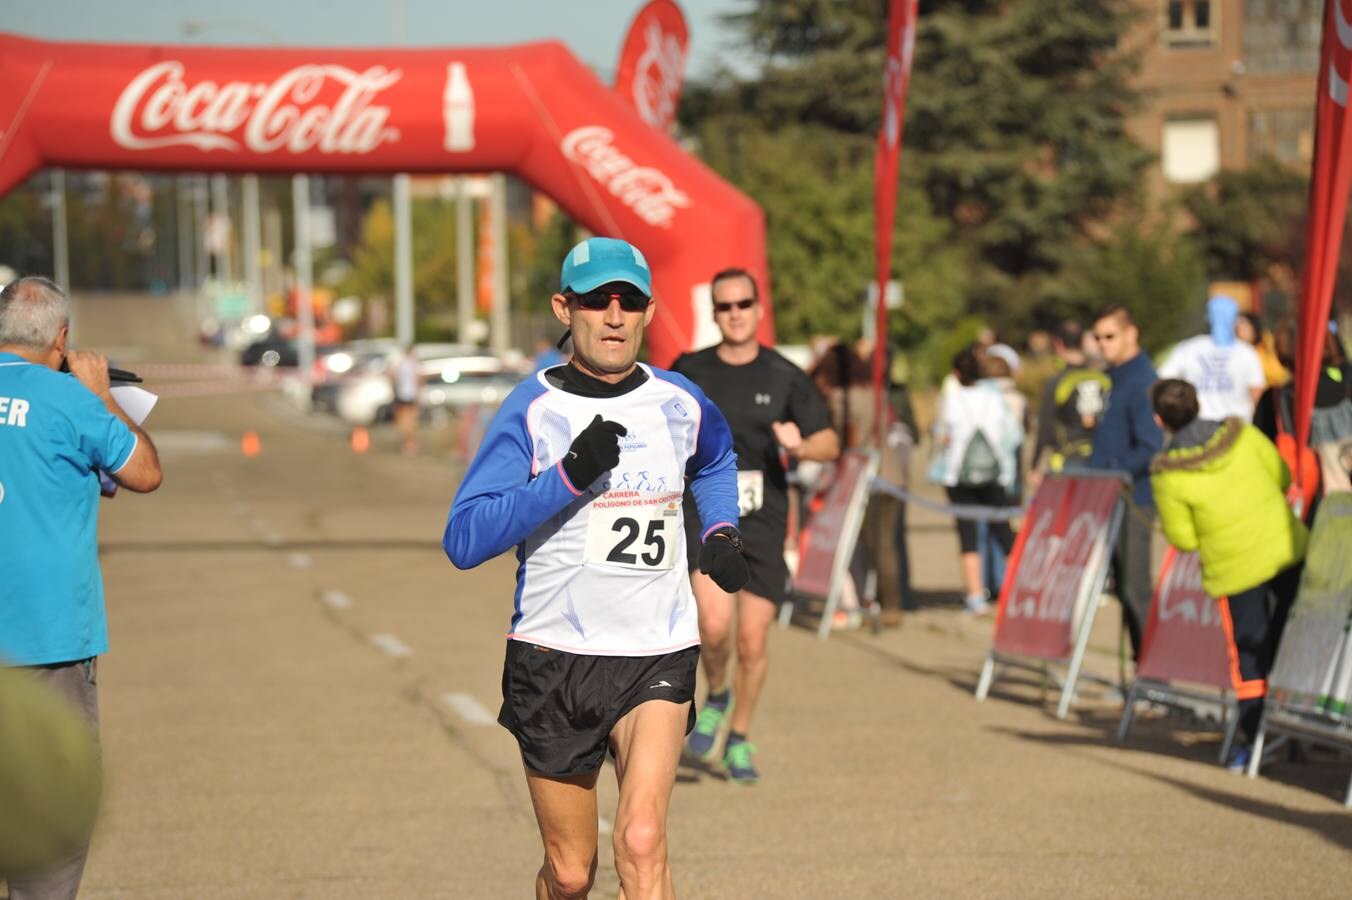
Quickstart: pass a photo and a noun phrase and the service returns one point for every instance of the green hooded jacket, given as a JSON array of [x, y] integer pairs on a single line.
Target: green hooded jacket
[[1220, 490]]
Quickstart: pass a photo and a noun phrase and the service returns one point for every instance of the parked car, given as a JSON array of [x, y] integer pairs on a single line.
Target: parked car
[[355, 359], [368, 397], [455, 389]]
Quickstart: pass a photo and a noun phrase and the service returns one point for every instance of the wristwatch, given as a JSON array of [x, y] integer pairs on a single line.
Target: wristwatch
[[731, 535]]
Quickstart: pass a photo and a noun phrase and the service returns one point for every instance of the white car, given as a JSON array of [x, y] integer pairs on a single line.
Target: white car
[[367, 397]]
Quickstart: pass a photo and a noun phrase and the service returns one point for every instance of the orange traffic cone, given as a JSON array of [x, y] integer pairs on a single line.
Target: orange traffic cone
[[361, 440], [249, 445]]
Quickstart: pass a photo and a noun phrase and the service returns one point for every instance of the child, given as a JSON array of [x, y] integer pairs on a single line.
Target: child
[[1220, 490]]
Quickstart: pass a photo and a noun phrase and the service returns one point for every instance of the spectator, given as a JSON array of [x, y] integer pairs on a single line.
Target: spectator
[[1226, 372], [999, 366], [1219, 488], [1070, 407], [1126, 439], [407, 387], [882, 543], [1330, 436], [1249, 329], [976, 438], [59, 432]]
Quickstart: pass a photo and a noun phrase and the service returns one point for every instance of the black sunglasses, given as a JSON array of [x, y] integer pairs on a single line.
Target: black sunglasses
[[630, 301], [745, 303]]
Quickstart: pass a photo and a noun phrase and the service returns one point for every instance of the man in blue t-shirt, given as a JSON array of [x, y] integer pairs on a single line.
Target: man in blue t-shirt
[[58, 431]]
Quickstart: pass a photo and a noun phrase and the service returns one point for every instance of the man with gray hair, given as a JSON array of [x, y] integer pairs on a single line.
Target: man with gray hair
[[58, 431]]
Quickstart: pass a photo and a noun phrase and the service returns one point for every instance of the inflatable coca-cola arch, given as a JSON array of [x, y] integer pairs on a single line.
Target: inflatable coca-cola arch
[[533, 110]]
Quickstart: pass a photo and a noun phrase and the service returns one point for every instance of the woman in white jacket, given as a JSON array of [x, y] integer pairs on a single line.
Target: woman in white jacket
[[977, 439]]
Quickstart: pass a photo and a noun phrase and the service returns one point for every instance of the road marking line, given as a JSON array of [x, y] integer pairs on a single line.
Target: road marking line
[[336, 600], [391, 645], [299, 560], [469, 709], [273, 539], [603, 826]]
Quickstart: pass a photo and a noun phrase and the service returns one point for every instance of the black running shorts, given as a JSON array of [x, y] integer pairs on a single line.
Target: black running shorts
[[763, 549], [561, 707]]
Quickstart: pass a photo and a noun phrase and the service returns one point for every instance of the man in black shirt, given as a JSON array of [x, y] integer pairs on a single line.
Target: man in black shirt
[[772, 408], [1072, 402]]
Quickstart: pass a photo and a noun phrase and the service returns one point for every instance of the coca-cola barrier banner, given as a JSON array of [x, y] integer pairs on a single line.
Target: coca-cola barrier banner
[[1188, 636], [652, 63], [823, 535], [533, 110], [1054, 568]]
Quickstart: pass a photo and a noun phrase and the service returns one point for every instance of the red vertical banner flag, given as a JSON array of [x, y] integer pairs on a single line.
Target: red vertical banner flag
[[901, 22], [1329, 181]]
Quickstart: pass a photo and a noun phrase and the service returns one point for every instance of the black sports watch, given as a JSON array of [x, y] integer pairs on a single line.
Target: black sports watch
[[729, 534]]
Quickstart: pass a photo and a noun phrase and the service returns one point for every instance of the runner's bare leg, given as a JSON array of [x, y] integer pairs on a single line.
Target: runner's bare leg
[[715, 629], [647, 744], [565, 809], [754, 615]]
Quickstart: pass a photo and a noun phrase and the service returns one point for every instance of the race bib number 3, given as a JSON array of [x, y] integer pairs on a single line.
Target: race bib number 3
[[750, 492], [632, 530]]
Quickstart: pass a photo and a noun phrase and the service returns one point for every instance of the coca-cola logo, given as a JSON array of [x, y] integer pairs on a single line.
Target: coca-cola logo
[[644, 189], [1181, 594], [1054, 566], [293, 113], [658, 75]]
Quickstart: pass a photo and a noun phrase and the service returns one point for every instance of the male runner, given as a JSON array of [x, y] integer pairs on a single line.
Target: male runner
[[770, 404], [582, 470]]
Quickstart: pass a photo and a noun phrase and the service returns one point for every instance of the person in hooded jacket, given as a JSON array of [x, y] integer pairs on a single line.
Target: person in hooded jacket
[[1220, 491]]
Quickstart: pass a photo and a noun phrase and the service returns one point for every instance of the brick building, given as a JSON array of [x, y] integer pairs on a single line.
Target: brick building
[[1225, 83]]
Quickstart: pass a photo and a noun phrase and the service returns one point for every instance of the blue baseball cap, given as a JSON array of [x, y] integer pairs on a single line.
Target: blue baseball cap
[[600, 260]]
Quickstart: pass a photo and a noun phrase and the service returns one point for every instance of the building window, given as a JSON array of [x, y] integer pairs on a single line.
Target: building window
[[1189, 23], [1286, 135], [1191, 150]]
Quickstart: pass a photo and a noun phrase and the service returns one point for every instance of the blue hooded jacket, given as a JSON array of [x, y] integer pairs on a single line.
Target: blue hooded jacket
[[1127, 437]]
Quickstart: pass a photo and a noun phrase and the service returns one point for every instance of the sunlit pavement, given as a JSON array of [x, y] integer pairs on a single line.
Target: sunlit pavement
[[300, 695]]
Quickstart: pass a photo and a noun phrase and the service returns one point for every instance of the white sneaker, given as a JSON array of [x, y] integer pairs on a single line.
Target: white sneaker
[[975, 605]]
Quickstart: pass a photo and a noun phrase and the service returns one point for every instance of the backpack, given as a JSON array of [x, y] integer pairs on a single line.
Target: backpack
[[1078, 399], [980, 465]]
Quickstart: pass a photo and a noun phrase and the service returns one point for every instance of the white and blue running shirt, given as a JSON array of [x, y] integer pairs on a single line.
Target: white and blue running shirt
[[602, 567]]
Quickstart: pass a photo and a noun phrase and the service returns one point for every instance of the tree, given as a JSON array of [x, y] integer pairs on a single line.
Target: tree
[[1250, 220], [1015, 148], [1149, 268]]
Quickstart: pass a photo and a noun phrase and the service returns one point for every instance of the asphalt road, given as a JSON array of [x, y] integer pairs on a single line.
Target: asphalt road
[[300, 694]]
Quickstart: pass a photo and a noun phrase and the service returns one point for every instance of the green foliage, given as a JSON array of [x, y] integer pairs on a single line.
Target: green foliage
[[1146, 267], [25, 228], [434, 262], [817, 191], [1249, 220], [543, 254], [1015, 150]]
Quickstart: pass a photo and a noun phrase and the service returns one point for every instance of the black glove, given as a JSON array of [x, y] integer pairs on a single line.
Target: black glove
[[720, 557], [595, 451]]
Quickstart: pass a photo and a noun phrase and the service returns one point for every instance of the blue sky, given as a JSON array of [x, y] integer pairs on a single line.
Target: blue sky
[[592, 28]]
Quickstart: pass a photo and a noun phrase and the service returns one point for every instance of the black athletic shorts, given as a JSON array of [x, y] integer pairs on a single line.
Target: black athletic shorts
[[561, 707], [763, 549]]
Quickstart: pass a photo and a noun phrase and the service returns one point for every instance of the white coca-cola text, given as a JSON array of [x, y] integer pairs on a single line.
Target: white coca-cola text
[[645, 190], [1053, 567], [158, 108], [1181, 595], [657, 76]]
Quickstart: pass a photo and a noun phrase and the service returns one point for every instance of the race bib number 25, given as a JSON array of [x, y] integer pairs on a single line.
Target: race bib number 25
[[633, 532]]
